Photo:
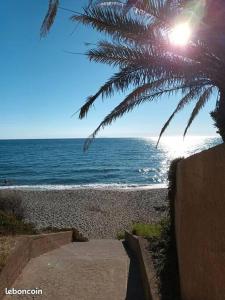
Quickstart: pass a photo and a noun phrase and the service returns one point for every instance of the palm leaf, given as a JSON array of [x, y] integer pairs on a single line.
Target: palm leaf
[[49, 17], [112, 22], [127, 105], [182, 103], [199, 105], [118, 82]]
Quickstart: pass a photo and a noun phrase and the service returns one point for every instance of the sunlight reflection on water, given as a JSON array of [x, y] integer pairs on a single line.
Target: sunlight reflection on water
[[175, 146]]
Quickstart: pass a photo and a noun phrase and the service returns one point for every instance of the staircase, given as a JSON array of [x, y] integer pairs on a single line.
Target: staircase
[[94, 270]]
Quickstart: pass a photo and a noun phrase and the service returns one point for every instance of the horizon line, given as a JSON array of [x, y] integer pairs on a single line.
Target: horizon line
[[109, 137]]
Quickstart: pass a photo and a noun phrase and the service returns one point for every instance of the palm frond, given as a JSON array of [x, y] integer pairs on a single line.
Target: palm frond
[[127, 105], [113, 22], [118, 82], [141, 72], [190, 96], [49, 17], [128, 76], [117, 112], [155, 57], [199, 105], [115, 55]]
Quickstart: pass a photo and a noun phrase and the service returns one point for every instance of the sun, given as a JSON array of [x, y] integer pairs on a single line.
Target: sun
[[180, 34]]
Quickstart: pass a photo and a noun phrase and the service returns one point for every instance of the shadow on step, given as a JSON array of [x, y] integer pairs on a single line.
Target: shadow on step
[[135, 289]]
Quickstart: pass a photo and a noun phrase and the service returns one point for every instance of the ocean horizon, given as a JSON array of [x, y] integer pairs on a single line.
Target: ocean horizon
[[109, 163]]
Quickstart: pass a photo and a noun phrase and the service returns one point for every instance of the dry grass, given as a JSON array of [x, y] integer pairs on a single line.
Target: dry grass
[[11, 225], [7, 244]]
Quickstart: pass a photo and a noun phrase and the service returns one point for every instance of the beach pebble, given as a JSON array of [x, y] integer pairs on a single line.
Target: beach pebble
[[96, 213]]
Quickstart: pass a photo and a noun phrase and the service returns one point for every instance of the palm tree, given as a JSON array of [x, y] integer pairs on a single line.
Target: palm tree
[[139, 46]]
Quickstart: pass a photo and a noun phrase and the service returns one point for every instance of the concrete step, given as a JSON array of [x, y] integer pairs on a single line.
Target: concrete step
[[94, 270]]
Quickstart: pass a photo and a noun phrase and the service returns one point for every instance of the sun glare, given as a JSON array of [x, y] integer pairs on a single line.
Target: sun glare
[[180, 34]]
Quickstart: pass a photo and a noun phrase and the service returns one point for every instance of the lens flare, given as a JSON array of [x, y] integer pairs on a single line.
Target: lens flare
[[180, 34]]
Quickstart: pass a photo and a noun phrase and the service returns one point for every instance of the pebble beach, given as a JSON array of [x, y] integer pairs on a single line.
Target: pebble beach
[[96, 213]]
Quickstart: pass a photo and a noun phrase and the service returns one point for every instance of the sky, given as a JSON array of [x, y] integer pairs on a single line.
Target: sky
[[42, 85]]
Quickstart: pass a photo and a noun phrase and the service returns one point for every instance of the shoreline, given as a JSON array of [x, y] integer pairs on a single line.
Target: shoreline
[[96, 213], [61, 187]]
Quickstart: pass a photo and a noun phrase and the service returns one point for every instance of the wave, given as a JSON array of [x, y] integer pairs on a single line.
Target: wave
[[83, 186]]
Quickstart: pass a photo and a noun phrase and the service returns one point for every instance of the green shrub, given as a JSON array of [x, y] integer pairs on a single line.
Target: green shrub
[[164, 248], [147, 230], [120, 235], [172, 178]]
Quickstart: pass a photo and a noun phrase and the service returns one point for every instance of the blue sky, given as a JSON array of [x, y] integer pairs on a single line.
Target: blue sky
[[41, 85]]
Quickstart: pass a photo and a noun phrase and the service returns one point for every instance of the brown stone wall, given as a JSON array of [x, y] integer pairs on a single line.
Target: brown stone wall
[[200, 225]]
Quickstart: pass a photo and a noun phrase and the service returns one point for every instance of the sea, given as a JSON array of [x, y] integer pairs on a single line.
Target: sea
[[109, 162]]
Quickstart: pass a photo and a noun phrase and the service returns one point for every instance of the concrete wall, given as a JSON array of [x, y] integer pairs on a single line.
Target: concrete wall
[[28, 247], [200, 225], [138, 245]]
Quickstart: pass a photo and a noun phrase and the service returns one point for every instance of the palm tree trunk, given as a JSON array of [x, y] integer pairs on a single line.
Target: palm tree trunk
[[218, 115]]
